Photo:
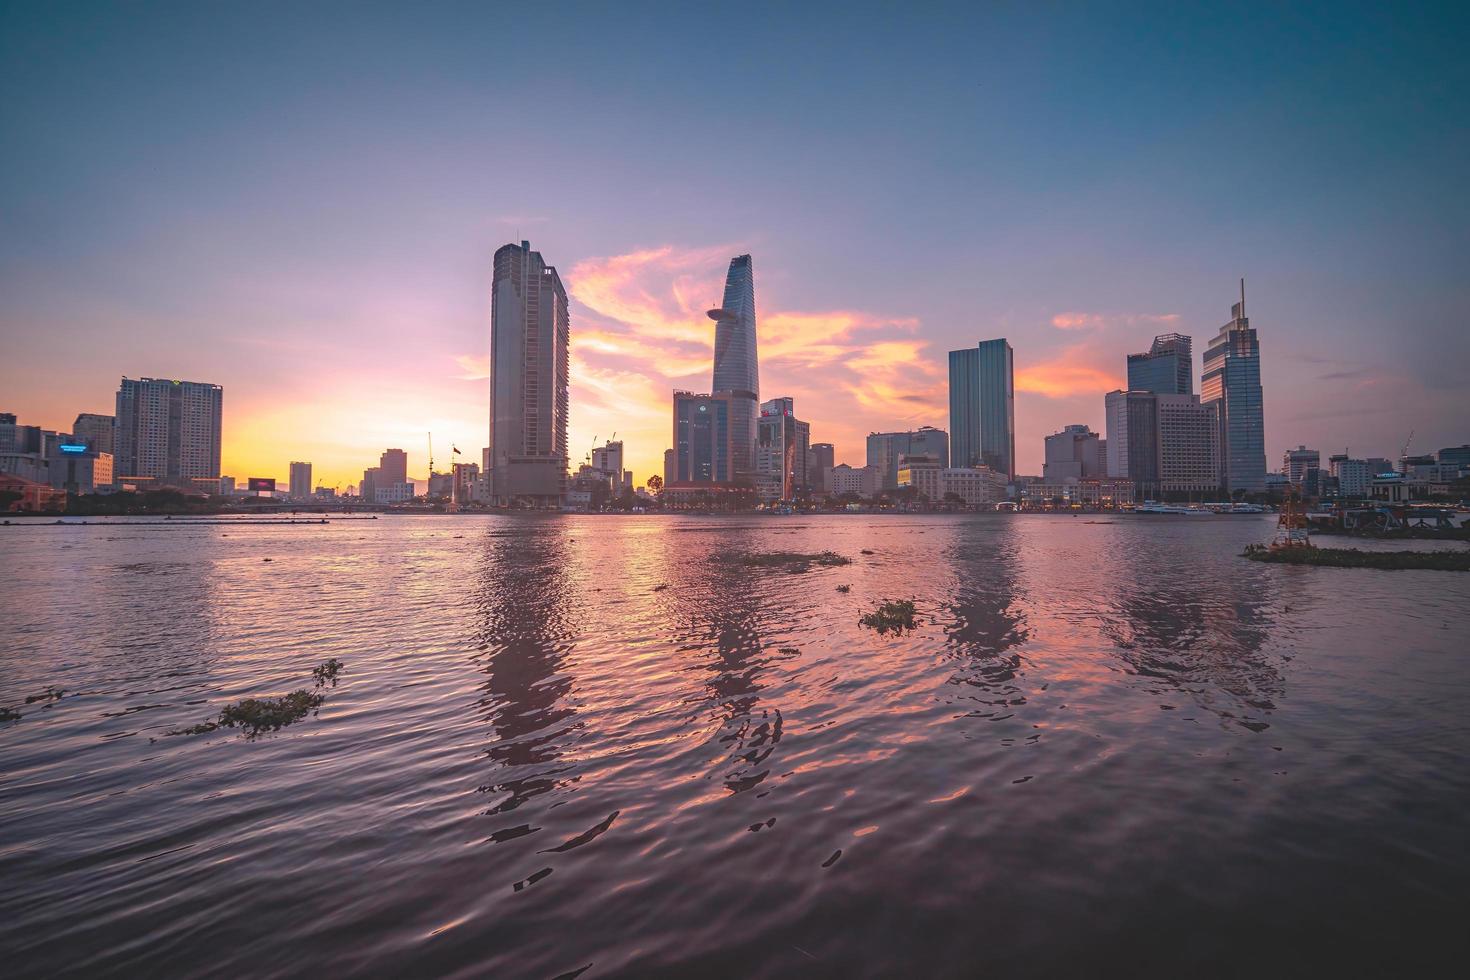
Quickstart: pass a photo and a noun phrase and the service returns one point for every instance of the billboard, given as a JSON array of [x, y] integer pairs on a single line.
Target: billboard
[[267, 483]]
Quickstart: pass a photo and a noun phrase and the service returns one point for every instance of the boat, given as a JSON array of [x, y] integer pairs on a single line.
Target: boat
[[1154, 507]]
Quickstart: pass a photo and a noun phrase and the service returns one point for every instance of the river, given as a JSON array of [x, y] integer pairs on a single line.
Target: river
[[607, 744]]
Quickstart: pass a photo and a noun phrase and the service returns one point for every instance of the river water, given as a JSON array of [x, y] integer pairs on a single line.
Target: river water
[[600, 744]]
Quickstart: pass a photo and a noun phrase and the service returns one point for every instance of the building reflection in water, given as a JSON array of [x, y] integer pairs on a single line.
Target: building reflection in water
[[986, 624], [1203, 636], [525, 604], [721, 608]]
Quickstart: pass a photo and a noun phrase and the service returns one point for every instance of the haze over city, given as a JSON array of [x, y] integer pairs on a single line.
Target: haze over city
[[302, 207]]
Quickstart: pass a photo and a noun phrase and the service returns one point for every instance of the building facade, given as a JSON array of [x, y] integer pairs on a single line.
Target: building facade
[[1133, 439], [1167, 368], [886, 449], [96, 431], [168, 433], [1296, 462], [973, 486], [982, 406], [1074, 453], [866, 482], [822, 457], [704, 450], [737, 364], [1232, 383], [782, 450], [529, 362], [1189, 445], [301, 480]]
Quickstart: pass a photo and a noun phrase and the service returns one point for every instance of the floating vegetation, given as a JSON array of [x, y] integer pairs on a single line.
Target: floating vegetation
[[7, 715], [1441, 561], [50, 694], [257, 715], [897, 616], [844, 588], [789, 651], [326, 673], [778, 559], [867, 551]]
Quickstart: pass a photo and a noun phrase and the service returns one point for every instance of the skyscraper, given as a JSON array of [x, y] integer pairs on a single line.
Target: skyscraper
[[168, 433], [529, 332], [1232, 382], [301, 480], [1167, 368], [1133, 439], [736, 365], [982, 406]]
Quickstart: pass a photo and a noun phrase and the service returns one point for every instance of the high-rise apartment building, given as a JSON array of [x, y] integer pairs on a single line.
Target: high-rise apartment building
[[887, 449], [1232, 382], [703, 447], [95, 430], [736, 364], [301, 480], [982, 406], [168, 433], [1075, 453], [529, 361], [368, 489], [1296, 462], [1167, 368]]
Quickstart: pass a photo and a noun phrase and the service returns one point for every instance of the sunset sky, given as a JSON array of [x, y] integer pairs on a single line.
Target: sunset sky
[[300, 202]]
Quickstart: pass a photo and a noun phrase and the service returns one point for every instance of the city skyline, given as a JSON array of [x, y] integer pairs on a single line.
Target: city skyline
[[273, 237]]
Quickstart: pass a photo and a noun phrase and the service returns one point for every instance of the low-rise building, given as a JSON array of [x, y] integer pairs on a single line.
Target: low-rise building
[[1104, 493], [864, 481]]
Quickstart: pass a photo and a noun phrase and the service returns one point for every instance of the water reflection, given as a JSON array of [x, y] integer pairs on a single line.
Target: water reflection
[[1204, 638], [723, 606], [986, 621], [524, 598]]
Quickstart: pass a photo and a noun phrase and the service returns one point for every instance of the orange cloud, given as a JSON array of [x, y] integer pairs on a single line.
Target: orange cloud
[[1076, 370]]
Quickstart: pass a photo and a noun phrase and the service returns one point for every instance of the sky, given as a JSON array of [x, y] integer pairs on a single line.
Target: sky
[[300, 202]]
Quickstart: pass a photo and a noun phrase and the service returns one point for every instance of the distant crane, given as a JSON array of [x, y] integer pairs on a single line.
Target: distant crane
[[1404, 453]]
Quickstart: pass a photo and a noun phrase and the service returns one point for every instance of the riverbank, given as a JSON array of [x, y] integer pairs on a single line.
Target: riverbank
[[1442, 561]]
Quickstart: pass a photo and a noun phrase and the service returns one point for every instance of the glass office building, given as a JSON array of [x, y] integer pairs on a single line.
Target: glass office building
[[702, 450], [1232, 382], [982, 407], [737, 369], [1167, 368]]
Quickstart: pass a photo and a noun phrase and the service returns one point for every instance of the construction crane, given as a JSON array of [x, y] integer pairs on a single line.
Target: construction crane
[[1404, 453]]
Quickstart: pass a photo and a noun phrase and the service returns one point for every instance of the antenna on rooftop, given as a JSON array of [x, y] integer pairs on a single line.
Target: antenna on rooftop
[[1242, 295]]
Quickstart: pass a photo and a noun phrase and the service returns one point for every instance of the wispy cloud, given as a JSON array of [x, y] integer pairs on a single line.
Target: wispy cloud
[[1099, 321]]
